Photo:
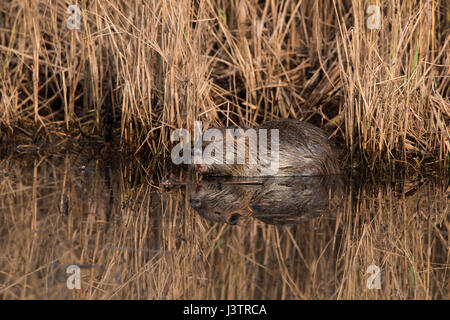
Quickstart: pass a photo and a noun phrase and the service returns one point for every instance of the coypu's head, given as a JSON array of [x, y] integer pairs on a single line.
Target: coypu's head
[[213, 151], [219, 203]]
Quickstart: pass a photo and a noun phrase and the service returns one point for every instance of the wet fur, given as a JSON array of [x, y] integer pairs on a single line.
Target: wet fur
[[304, 150]]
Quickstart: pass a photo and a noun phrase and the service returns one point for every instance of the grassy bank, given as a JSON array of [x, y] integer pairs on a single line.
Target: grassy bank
[[134, 71]]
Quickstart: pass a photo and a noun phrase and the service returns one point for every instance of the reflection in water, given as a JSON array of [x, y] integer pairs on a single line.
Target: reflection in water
[[134, 239], [281, 201]]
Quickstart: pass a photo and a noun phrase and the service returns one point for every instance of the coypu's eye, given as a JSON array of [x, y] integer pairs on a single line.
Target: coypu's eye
[[195, 203], [218, 213], [234, 219]]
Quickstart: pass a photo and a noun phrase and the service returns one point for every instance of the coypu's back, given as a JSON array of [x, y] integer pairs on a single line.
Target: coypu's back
[[304, 150]]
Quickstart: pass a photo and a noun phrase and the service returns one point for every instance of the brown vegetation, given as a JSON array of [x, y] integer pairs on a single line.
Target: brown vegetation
[[137, 70]]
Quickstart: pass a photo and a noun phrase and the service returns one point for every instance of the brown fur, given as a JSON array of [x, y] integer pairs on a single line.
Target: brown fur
[[304, 150]]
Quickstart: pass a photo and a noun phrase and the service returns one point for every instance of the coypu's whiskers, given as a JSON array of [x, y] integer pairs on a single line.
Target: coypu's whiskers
[[250, 210]]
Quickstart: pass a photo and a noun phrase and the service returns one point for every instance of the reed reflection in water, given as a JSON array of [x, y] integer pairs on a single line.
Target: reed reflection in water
[[134, 238]]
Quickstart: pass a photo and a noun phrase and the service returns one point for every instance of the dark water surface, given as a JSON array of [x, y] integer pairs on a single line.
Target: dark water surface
[[134, 237]]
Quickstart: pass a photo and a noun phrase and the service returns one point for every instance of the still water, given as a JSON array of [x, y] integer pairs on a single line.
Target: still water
[[136, 231]]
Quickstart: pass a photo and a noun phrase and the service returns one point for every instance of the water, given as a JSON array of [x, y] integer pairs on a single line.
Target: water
[[134, 237]]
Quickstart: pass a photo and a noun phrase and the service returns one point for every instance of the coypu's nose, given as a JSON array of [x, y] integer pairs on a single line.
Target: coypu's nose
[[195, 203]]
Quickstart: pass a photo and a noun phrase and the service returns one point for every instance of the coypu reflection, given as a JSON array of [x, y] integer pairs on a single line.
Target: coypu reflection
[[288, 200]]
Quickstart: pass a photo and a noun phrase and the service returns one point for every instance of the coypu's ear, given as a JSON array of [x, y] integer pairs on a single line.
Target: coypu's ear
[[233, 219]]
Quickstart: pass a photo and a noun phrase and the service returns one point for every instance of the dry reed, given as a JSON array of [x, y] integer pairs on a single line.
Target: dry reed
[[135, 71]]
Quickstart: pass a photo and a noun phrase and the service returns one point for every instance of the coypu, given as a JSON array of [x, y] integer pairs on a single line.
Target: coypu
[[276, 200], [303, 150]]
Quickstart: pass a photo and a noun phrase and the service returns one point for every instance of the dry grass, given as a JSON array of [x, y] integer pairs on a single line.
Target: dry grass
[[137, 70], [138, 242]]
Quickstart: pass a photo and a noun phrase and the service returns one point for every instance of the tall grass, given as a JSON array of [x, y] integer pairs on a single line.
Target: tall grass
[[137, 70]]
